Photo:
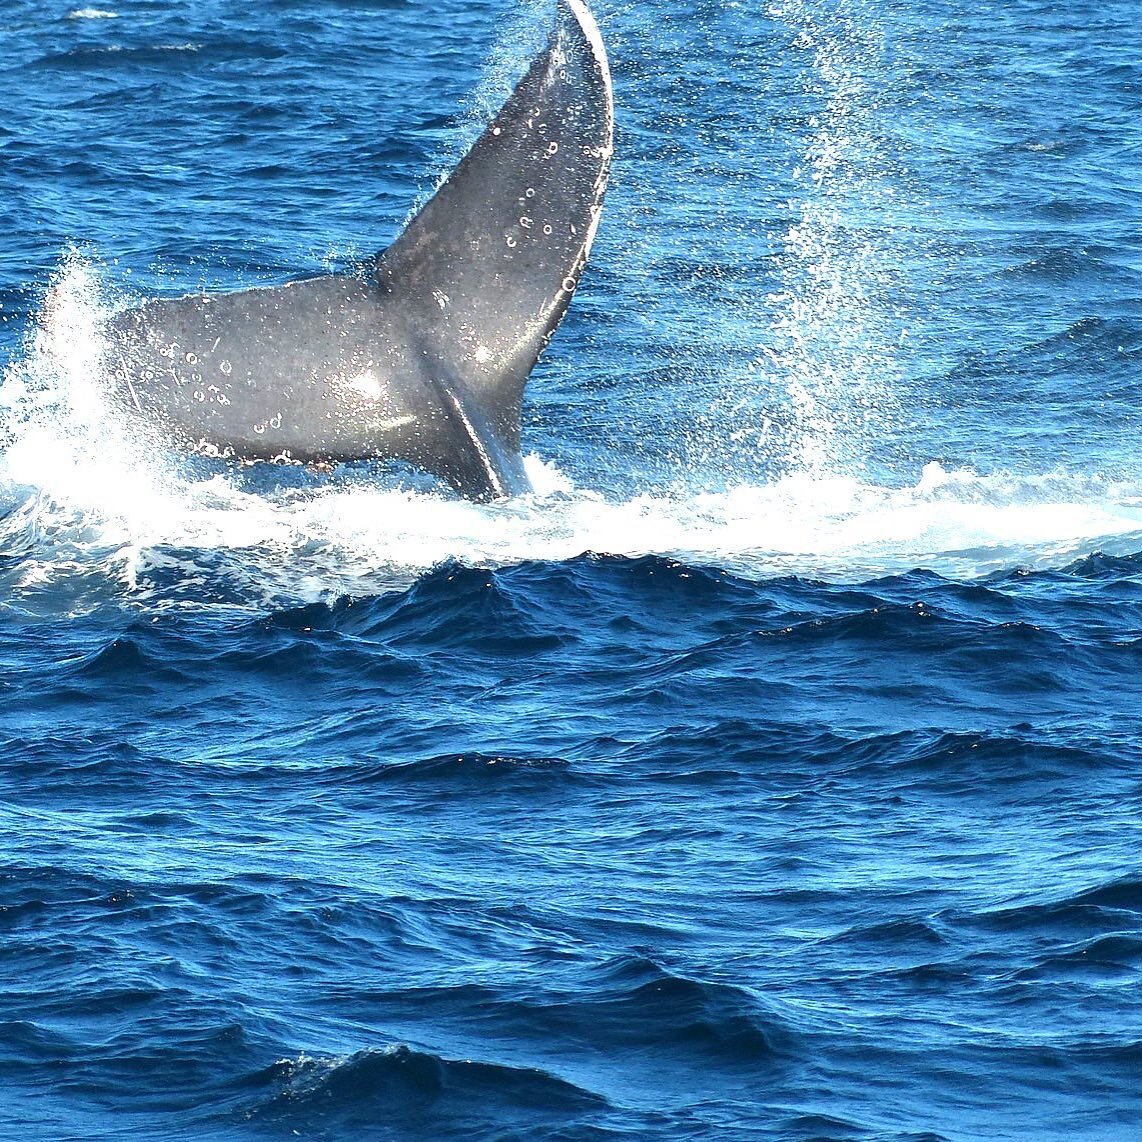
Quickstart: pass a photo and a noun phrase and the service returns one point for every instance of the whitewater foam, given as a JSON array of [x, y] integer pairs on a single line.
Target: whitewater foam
[[83, 491]]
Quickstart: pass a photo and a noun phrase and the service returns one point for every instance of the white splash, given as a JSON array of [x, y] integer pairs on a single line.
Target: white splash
[[82, 492], [834, 334], [61, 437]]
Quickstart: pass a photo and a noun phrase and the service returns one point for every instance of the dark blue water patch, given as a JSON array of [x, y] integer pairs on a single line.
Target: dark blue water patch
[[638, 1004], [452, 608], [118, 977], [124, 659], [961, 765], [100, 764]]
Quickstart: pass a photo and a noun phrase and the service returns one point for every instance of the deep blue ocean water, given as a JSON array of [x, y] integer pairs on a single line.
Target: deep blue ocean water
[[775, 771]]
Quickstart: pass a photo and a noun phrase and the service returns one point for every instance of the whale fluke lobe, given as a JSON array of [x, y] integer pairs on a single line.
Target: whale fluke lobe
[[424, 357]]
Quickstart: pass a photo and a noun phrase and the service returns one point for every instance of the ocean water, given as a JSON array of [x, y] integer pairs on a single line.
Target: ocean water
[[774, 771]]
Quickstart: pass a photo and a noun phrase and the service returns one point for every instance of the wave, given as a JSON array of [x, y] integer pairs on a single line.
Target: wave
[[85, 58], [650, 1019], [393, 1091], [450, 770], [1115, 903], [636, 1003]]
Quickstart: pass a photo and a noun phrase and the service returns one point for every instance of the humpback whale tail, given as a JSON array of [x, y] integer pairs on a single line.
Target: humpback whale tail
[[425, 358], [490, 291]]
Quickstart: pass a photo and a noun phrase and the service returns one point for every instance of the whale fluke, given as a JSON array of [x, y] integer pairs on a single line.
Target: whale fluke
[[423, 356]]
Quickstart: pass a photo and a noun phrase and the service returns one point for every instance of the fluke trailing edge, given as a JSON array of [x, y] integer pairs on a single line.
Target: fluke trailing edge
[[425, 358]]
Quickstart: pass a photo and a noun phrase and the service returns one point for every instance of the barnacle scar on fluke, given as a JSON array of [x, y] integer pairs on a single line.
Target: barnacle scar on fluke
[[425, 358]]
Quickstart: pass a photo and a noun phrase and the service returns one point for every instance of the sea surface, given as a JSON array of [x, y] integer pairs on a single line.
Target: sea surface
[[774, 771]]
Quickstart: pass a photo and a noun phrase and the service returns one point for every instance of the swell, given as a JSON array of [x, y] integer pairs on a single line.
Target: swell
[[608, 633], [406, 1089]]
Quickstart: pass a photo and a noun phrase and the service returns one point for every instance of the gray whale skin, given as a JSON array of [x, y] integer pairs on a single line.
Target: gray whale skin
[[424, 357]]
